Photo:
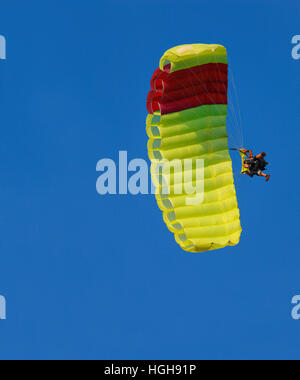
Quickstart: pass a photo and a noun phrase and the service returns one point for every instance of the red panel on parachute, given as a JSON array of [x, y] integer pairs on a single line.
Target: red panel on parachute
[[189, 88]]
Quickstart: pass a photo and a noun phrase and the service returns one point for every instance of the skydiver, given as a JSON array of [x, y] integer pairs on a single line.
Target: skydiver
[[255, 165]]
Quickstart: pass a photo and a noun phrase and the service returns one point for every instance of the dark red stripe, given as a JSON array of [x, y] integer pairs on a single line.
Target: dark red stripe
[[195, 101], [201, 72], [187, 92], [189, 88], [193, 79]]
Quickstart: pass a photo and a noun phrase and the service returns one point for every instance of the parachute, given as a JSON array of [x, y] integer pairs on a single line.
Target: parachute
[[187, 108]]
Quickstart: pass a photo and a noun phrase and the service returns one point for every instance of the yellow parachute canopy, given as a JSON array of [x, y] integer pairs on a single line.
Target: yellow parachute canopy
[[187, 120]]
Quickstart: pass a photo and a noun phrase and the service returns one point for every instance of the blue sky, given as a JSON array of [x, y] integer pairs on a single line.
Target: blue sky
[[82, 274]]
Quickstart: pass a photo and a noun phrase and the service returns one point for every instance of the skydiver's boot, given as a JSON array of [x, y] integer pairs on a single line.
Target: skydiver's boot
[[268, 177]]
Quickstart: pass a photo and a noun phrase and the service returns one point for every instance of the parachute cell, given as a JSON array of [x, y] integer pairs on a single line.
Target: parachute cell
[[187, 108]]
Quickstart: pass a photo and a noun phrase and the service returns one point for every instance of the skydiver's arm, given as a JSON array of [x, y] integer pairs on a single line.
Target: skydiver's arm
[[248, 153]]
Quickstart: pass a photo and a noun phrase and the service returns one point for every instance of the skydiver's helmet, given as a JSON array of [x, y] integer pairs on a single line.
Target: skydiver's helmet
[[263, 154]]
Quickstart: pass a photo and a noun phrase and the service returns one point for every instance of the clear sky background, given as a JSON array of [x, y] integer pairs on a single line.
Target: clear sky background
[[82, 274]]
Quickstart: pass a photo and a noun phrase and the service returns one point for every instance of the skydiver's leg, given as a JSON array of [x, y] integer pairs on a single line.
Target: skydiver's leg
[[261, 174], [266, 176]]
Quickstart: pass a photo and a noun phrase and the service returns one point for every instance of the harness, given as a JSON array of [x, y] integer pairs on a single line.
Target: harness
[[252, 165]]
